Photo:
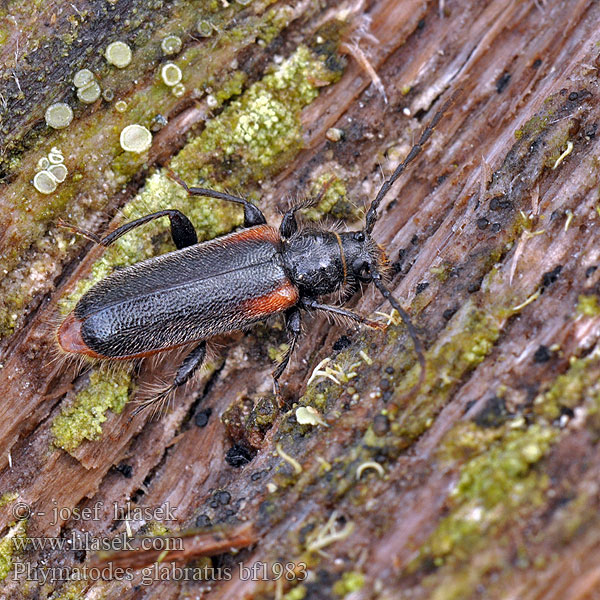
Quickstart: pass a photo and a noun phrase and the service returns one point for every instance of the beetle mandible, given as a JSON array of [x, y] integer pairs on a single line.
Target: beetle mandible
[[229, 283]]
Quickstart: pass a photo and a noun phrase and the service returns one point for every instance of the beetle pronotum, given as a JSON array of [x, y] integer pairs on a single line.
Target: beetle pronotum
[[229, 283]]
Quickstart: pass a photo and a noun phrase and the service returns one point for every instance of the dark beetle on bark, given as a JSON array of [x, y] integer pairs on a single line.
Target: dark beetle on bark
[[229, 283]]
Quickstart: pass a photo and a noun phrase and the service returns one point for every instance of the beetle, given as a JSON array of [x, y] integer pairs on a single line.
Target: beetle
[[229, 283]]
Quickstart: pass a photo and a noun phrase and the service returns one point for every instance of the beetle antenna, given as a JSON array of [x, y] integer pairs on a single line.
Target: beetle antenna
[[371, 217], [387, 294]]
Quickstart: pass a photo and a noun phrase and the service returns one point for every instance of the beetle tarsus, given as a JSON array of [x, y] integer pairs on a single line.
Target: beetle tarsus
[[412, 332], [83, 232]]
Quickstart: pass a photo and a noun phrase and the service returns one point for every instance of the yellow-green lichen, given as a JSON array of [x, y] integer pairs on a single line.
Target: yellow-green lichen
[[492, 487], [334, 200], [351, 581], [73, 590], [296, 593], [536, 125], [261, 129], [471, 336], [83, 419], [275, 20], [7, 547], [7, 498], [155, 529], [232, 87], [568, 389], [587, 305]]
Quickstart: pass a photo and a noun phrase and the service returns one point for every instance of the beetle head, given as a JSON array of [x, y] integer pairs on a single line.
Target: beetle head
[[363, 256]]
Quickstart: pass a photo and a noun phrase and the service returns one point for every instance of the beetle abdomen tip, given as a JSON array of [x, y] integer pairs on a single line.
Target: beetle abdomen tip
[[70, 339]]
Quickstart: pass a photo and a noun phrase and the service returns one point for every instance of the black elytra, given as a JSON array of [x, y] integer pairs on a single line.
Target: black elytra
[[229, 283]]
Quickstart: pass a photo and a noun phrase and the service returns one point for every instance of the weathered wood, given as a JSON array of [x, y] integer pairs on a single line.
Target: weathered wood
[[482, 485]]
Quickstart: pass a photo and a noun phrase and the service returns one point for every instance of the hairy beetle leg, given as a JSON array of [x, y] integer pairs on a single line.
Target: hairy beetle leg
[[190, 365], [293, 326], [336, 310], [182, 230]]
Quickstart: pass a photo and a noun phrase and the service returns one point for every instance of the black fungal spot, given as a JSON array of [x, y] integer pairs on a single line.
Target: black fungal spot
[[449, 313], [482, 223], [502, 82], [550, 277], [537, 63], [500, 203], [421, 287], [203, 521], [341, 343], [397, 266], [542, 354], [573, 96], [79, 555], [381, 425], [223, 497], [493, 414], [590, 270], [238, 456], [475, 286], [496, 227], [202, 417], [258, 475], [567, 411], [590, 130], [125, 470]]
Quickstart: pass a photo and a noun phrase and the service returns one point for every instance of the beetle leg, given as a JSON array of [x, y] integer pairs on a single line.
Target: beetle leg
[[336, 310], [293, 326], [252, 214], [182, 230], [191, 363]]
